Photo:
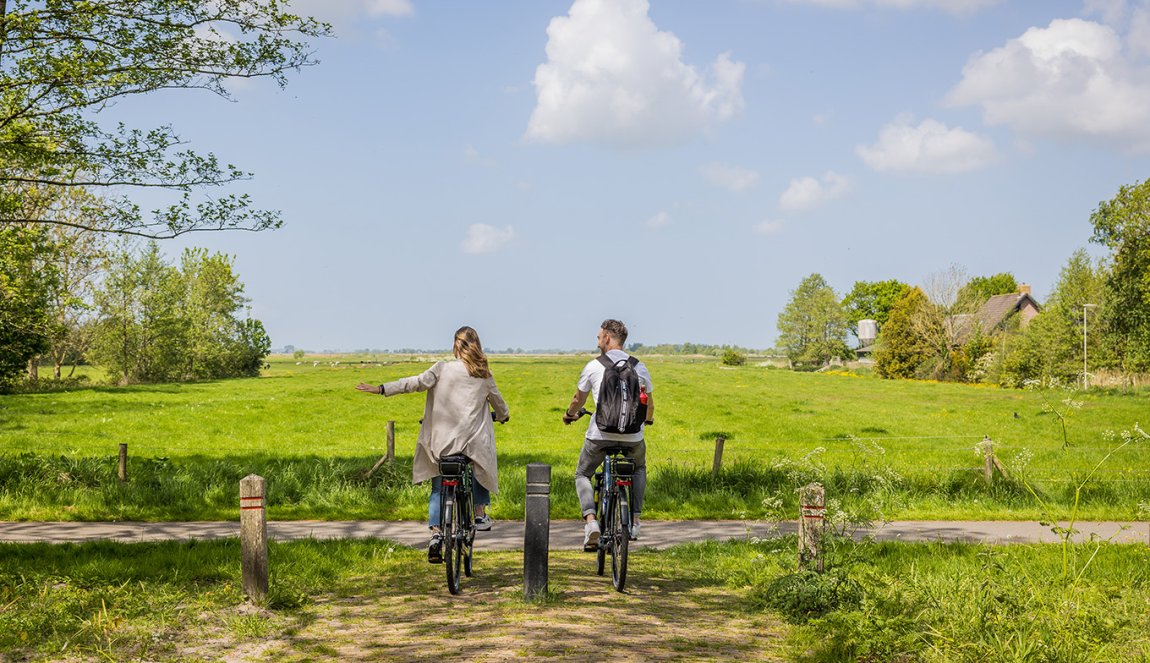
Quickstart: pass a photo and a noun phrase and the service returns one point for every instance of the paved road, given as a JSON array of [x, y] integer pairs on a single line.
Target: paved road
[[565, 534]]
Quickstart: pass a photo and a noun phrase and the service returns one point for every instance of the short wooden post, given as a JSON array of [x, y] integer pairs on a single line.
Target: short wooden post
[[812, 503], [988, 459], [254, 537], [718, 464], [390, 442], [388, 457], [123, 469], [537, 530]]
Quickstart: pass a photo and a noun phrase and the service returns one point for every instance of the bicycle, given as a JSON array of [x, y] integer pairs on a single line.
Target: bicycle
[[456, 518], [612, 486]]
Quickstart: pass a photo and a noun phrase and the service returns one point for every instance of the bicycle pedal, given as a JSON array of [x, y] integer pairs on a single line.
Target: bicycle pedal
[[591, 547]]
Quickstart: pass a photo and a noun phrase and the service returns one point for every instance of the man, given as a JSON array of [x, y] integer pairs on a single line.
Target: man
[[612, 336]]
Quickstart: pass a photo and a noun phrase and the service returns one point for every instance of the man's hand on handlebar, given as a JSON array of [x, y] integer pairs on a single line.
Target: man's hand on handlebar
[[501, 421], [568, 419]]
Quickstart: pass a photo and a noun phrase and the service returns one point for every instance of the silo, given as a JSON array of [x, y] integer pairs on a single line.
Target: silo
[[868, 332]]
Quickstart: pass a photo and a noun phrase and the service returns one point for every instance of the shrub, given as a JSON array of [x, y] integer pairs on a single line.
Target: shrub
[[733, 357]]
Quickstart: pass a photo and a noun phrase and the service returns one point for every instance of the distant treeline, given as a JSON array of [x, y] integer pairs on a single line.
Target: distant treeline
[[635, 348]]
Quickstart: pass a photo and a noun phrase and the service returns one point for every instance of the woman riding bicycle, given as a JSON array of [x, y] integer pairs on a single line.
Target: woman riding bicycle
[[461, 395]]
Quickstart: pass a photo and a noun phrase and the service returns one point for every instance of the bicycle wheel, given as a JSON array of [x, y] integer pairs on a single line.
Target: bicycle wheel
[[467, 543], [620, 537], [601, 553], [451, 541]]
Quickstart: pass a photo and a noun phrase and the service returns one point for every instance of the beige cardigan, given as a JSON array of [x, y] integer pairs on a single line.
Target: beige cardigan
[[456, 420]]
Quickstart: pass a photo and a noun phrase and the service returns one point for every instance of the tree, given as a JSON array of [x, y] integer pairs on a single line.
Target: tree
[[27, 282], [64, 63], [160, 323], [872, 300], [812, 325], [977, 290], [1122, 225], [1051, 345], [902, 348]]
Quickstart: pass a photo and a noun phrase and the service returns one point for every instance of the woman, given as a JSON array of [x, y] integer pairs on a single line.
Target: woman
[[456, 420]]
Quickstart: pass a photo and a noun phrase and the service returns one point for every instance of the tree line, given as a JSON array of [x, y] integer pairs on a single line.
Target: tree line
[[932, 330]]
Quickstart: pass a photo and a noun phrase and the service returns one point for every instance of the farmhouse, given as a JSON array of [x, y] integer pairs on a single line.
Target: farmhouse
[[995, 315]]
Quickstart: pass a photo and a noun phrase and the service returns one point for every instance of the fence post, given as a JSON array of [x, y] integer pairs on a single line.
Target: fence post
[[123, 468], [988, 459], [718, 464], [254, 537], [537, 530], [812, 504], [389, 456]]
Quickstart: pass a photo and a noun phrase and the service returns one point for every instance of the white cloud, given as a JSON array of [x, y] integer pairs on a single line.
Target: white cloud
[[731, 178], [482, 238], [768, 227], [612, 78], [953, 6], [660, 220], [807, 193], [930, 147], [390, 8], [1070, 80]]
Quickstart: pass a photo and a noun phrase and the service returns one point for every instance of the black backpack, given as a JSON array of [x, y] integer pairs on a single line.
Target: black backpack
[[618, 409]]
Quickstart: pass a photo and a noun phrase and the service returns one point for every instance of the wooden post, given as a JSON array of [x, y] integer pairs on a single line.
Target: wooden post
[[812, 504], [718, 464], [988, 459], [390, 442], [537, 530], [123, 469], [388, 457], [254, 537]]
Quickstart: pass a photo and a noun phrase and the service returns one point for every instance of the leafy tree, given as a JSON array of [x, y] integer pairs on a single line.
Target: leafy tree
[[27, 282], [1122, 224], [902, 347], [1051, 345], [812, 326], [981, 288], [161, 323], [732, 357], [872, 300], [63, 63]]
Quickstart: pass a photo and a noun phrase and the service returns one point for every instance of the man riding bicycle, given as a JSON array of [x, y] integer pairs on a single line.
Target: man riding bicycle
[[612, 336]]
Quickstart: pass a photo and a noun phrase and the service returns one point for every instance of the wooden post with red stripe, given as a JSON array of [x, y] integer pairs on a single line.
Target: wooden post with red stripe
[[254, 537], [813, 505]]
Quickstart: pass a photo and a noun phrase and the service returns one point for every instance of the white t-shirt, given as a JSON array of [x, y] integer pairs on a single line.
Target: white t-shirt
[[592, 377]]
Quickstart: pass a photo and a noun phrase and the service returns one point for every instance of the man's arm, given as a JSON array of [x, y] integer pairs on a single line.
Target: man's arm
[[577, 402]]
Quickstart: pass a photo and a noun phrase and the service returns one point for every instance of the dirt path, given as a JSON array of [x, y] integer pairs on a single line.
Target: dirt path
[[663, 616]]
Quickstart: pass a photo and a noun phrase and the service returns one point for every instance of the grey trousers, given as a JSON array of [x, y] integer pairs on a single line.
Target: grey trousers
[[592, 457]]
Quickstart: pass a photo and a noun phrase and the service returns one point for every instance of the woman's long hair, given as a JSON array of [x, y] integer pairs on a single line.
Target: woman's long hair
[[470, 351]]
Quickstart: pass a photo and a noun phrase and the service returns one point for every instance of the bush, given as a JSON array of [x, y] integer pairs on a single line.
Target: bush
[[733, 358], [800, 597]]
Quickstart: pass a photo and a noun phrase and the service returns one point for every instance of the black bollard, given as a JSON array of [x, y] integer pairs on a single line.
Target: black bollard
[[537, 530]]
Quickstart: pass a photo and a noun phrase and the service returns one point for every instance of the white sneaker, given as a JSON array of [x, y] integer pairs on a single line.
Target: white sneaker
[[634, 528], [591, 536]]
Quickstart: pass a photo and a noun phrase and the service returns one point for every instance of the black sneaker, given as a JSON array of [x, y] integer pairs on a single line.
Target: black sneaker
[[435, 549]]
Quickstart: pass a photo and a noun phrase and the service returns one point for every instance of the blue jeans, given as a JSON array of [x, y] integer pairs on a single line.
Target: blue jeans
[[479, 496]]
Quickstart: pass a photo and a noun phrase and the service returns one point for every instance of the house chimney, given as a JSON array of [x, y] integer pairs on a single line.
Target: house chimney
[[1024, 288]]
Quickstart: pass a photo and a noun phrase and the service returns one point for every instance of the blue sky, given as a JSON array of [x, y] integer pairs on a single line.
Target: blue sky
[[533, 167]]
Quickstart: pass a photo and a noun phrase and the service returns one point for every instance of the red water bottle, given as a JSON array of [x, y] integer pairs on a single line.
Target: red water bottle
[[642, 395]]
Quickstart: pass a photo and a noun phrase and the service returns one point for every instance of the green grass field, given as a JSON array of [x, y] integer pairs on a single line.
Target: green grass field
[[900, 449], [374, 600]]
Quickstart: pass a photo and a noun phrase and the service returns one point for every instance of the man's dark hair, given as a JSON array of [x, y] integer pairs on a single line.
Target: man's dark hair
[[616, 330]]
